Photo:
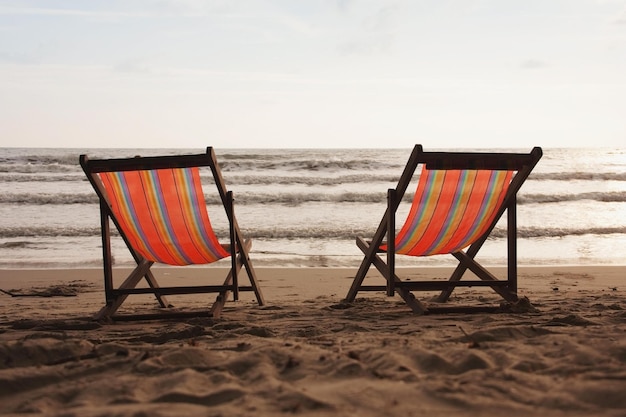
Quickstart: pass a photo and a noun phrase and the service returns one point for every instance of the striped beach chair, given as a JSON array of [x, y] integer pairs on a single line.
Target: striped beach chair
[[459, 199], [157, 205]]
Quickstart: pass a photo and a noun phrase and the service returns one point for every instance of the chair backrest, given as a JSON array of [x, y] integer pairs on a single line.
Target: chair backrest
[[451, 209], [459, 199], [162, 214]]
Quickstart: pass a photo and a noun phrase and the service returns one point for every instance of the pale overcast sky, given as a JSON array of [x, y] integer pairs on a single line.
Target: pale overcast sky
[[312, 73]]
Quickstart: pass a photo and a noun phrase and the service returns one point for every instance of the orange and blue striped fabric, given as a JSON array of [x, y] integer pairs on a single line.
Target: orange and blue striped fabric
[[451, 209], [163, 214]]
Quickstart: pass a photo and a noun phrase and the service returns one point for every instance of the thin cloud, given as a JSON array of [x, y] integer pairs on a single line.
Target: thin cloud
[[532, 64], [343, 4], [44, 11], [383, 20], [377, 35], [40, 11], [133, 67], [18, 58], [378, 45]]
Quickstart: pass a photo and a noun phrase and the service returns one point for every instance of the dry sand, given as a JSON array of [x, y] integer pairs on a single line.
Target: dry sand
[[306, 353]]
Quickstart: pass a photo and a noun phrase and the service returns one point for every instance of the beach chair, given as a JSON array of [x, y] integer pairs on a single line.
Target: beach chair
[[157, 205], [459, 199]]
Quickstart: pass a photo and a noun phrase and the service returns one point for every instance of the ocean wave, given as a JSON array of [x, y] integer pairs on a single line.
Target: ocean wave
[[45, 199], [257, 156], [259, 173], [57, 161], [36, 168], [549, 232], [21, 244], [31, 232], [239, 163], [309, 181], [34, 178], [604, 197], [345, 233], [57, 263], [582, 176], [367, 180], [286, 199], [42, 158], [307, 165], [296, 198], [351, 233]]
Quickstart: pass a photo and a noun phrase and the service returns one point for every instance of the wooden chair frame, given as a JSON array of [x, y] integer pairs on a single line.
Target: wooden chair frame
[[507, 288], [239, 247]]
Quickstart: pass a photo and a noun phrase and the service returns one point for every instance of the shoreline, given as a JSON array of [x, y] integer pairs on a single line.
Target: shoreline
[[11, 276], [284, 285]]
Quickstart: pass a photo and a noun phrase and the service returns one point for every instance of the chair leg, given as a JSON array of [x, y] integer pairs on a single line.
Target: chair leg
[[416, 306], [222, 297], [485, 275], [152, 282], [363, 268], [114, 303], [251, 272], [456, 276], [471, 253], [467, 262]]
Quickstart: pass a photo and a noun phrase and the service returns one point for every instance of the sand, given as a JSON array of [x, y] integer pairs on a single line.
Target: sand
[[306, 353]]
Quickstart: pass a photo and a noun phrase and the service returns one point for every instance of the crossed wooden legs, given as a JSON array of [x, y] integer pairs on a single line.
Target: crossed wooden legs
[[404, 288], [115, 297]]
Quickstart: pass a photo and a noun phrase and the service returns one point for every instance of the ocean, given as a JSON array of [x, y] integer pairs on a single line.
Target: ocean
[[304, 207]]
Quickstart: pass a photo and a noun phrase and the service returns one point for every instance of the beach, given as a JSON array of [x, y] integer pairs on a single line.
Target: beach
[[307, 353], [136, 136]]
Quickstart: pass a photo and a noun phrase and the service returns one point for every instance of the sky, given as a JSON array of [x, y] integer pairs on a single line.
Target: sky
[[312, 73]]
